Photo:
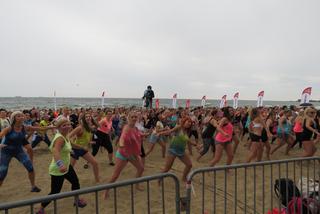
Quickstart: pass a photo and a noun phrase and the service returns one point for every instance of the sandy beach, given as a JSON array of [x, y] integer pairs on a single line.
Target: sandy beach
[[16, 186]]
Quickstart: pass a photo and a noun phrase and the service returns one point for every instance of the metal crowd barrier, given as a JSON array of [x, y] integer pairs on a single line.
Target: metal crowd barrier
[[247, 188], [97, 203], [239, 188]]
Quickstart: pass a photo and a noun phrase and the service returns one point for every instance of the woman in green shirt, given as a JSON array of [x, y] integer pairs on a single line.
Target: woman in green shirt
[[60, 168]]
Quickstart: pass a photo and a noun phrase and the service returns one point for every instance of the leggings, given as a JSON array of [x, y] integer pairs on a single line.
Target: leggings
[[104, 141], [298, 139], [207, 142], [57, 182], [7, 153]]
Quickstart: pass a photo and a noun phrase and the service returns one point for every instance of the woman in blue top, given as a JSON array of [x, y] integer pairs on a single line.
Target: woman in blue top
[[284, 134], [14, 137], [178, 145]]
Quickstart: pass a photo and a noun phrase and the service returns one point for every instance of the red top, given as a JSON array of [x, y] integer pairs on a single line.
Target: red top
[[105, 125], [227, 128], [132, 143]]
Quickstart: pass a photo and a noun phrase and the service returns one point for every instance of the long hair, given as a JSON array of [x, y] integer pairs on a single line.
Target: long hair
[[254, 113], [183, 121], [226, 113], [85, 124]]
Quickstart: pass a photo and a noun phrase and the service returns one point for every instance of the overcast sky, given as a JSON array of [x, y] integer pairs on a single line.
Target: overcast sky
[[193, 48]]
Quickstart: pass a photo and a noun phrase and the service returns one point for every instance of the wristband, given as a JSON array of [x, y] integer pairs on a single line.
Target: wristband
[[59, 163]]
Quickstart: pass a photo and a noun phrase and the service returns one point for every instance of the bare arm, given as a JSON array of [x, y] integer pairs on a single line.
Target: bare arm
[[167, 132], [308, 126], [219, 127], [36, 128], [5, 131], [59, 143], [75, 132]]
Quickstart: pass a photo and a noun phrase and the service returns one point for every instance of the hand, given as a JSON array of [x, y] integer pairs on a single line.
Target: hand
[[226, 135], [2, 146], [63, 169], [93, 142]]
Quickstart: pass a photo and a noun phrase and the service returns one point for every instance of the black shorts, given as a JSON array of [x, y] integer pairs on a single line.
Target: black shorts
[[264, 136], [25, 142], [255, 138], [194, 133]]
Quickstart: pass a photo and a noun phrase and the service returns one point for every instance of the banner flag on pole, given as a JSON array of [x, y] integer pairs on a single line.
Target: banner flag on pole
[[102, 99], [55, 101], [174, 100], [188, 103], [260, 99], [223, 101], [306, 95], [203, 101], [235, 100]]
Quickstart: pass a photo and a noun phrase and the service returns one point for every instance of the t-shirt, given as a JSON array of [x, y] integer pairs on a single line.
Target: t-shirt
[[64, 154], [4, 123]]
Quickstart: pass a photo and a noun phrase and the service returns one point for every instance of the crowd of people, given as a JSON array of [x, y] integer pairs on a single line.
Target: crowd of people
[[123, 132]]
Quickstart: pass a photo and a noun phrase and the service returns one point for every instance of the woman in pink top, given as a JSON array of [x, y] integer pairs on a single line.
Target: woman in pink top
[[129, 150], [223, 138], [104, 139], [298, 129]]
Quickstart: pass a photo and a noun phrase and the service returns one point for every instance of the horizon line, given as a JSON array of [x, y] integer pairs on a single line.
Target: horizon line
[[141, 98]]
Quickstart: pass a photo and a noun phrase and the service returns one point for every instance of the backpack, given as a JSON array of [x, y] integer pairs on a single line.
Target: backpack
[[281, 187], [305, 206]]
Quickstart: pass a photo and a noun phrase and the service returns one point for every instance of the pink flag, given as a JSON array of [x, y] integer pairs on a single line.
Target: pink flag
[[157, 103], [307, 90], [188, 103], [261, 94]]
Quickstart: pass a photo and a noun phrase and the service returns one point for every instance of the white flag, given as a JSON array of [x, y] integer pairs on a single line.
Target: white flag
[[235, 100], [102, 99], [203, 101], [174, 100], [223, 101], [306, 95], [260, 99]]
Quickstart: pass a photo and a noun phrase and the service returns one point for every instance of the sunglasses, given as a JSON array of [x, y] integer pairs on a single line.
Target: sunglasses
[[312, 112]]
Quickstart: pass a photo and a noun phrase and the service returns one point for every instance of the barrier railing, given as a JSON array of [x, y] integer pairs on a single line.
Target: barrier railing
[[97, 202], [239, 188], [247, 188]]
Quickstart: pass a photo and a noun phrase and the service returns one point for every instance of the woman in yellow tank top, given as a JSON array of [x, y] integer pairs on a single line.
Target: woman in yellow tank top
[[82, 136]]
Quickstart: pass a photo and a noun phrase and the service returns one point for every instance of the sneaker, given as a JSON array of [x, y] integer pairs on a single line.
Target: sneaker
[[40, 211], [80, 203], [111, 164], [35, 189]]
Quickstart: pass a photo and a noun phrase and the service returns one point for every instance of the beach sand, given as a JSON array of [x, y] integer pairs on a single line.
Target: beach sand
[[16, 185]]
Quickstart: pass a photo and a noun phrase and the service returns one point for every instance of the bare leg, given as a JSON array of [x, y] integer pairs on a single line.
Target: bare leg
[[217, 155], [188, 165], [89, 158], [120, 164], [137, 163]]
